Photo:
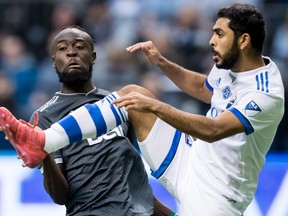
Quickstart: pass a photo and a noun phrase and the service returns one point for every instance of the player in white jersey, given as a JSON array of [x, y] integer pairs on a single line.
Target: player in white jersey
[[217, 173]]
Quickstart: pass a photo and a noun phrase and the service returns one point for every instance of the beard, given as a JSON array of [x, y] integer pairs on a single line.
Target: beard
[[75, 76], [229, 59]]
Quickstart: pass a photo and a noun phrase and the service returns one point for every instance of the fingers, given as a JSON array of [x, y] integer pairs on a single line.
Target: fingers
[[133, 48], [118, 102], [145, 46]]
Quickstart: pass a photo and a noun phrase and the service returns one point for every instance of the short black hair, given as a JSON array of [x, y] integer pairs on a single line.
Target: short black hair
[[245, 18]]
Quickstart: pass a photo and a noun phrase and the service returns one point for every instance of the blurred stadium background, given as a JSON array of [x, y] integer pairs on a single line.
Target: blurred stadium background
[[180, 29]]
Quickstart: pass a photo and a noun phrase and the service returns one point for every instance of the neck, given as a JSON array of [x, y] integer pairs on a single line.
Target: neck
[[247, 64], [78, 87]]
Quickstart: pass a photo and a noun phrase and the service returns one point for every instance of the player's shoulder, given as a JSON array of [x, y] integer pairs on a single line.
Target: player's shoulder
[[49, 103], [102, 92]]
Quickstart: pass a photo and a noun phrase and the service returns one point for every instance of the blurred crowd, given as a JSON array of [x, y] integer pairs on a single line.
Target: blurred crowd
[[181, 30]]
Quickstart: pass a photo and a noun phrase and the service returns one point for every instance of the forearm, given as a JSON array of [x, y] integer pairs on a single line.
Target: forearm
[[192, 83], [54, 181], [224, 125]]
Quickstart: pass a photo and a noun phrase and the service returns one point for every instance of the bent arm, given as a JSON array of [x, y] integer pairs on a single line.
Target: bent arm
[[224, 125], [54, 181], [190, 82]]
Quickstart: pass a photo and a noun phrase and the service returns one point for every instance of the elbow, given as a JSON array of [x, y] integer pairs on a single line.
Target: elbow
[[211, 139], [207, 100], [212, 135], [59, 198], [59, 202]]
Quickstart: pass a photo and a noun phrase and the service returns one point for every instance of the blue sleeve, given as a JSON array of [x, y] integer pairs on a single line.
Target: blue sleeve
[[248, 127]]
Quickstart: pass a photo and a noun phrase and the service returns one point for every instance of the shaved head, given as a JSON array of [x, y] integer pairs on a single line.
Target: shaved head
[[72, 32]]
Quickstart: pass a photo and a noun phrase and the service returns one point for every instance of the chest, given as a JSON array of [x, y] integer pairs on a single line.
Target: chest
[[228, 90]]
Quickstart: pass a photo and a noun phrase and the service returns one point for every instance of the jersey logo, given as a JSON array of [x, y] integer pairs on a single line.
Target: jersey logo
[[189, 140], [226, 92], [50, 102], [118, 131], [218, 82], [252, 109], [262, 80], [231, 102]]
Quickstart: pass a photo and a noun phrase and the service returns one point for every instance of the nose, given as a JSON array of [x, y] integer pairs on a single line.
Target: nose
[[71, 52], [211, 42]]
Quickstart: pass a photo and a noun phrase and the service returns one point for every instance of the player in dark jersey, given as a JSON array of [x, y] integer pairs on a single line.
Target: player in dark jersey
[[96, 177]]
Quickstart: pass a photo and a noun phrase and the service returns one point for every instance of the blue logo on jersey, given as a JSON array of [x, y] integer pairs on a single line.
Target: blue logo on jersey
[[231, 102], [252, 109], [189, 140], [213, 112], [218, 82], [226, 92]]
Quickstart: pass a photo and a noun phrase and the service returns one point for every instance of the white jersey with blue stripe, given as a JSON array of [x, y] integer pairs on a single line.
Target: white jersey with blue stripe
[[256, 98], [220, 178]]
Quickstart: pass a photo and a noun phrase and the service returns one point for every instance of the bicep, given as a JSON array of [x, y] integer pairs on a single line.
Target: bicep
[[227, 124]]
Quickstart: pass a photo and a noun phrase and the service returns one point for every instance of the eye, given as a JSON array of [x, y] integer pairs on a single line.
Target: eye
[[219, 34], [79, 47], [62, 49]]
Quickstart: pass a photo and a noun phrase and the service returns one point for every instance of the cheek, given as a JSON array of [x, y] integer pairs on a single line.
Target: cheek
[[59, 64], [224, 47], [87, 61]]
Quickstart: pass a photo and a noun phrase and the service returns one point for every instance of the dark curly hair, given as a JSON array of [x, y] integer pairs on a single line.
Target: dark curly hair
[[245, 18]]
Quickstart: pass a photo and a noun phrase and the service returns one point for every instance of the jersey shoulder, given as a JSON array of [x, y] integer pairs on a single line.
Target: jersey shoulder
[[62, 104]]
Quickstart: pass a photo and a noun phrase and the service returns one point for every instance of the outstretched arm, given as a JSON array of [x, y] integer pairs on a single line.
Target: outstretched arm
[[224, 125], [190, 82]]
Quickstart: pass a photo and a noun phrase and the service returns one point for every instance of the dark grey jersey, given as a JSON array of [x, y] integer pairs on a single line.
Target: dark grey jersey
[[106, 175]]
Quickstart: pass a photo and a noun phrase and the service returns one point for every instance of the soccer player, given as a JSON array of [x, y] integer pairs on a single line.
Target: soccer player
[[210, 164], [101, 176]]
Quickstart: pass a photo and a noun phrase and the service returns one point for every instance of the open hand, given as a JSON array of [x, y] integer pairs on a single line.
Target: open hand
[[152, 53]]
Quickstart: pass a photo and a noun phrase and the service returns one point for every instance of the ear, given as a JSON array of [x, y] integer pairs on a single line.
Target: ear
[[244, 40], [53, 61], [94, 57]]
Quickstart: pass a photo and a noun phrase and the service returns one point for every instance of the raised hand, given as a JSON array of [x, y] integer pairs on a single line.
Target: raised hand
[[150, 50]]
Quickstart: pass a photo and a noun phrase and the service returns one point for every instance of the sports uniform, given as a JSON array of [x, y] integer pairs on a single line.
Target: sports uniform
[[220, 178], [106, 175], [217, 178]]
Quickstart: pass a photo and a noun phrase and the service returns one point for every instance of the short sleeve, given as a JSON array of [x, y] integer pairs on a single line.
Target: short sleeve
[[212, 79], [257, 111]]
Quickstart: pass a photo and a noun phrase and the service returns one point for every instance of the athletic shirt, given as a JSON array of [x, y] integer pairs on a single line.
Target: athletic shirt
[[106, 175], [231, 165]]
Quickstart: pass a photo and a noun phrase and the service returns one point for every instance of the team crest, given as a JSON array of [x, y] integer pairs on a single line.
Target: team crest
[[226, 92], [252, 109]]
